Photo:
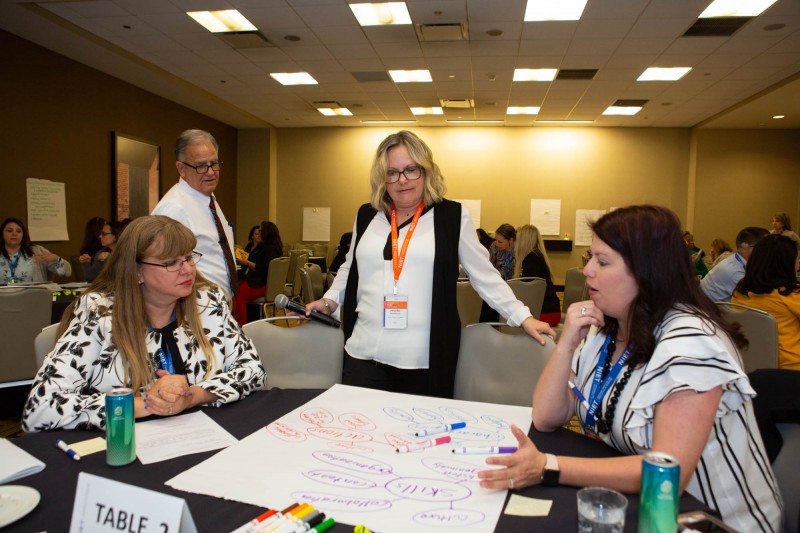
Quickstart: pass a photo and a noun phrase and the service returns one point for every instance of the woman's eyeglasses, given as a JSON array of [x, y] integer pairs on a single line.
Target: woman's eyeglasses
[[176, 264]]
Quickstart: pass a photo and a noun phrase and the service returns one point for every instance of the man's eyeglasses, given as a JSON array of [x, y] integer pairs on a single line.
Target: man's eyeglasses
[[216, 166], [411, 173], [176, 264]]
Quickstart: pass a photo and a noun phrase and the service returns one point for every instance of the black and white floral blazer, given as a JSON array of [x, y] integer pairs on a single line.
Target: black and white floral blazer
[[69, 389]]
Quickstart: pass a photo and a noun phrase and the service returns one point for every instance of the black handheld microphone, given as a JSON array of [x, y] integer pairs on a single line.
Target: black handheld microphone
[[284, 302]]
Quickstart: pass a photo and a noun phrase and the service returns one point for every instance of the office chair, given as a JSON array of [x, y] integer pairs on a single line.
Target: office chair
[[531, 292], [761, 329], [276, 283], [575, 290], [468, 303], [44, 343], [24, 312]]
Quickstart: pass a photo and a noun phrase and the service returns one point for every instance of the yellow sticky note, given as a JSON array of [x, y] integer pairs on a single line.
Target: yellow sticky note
[[522, 506], [85, 447]]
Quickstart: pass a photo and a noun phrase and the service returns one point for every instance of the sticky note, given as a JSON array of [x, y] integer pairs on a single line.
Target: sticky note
[[522, 506]]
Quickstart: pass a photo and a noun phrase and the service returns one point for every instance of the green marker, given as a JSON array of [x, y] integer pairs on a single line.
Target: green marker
[[325, 526]]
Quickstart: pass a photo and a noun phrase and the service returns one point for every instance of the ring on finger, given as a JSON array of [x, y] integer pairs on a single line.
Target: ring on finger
[[511, 483], [583, 311], [170, 410]]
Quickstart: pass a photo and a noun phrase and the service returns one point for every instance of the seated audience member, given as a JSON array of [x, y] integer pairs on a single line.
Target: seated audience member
[[661, 371], [722, 279], [532, 261], [341, 251], [267, 246], [250, 240], [770, 284], [700, 268], [22, 261], [151, 322], [108, 238], [91, 239], [781, 225], [719, 251], [501, 252], [485, 239]]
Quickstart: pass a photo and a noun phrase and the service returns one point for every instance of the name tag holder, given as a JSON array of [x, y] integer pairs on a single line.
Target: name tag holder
[[395, 311]]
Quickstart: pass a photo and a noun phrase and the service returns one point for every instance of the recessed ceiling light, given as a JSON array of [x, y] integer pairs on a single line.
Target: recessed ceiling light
[[408, 76], [663, 74], [294, 78], [778, 117], [381, 14], [540, 10], [535, 74], [736, 8], [427, 111], [335, 111], [621, 110], [222, 21], [529, 110]]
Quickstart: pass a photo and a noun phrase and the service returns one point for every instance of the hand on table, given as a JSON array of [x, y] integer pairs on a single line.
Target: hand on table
[[522, 468], [169, 395]]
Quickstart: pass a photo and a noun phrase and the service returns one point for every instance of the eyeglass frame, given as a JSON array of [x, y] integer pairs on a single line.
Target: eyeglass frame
[[209, 166], [195, 258], [412, 168]]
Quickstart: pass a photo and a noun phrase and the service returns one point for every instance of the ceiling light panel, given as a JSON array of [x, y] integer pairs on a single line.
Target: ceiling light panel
[[222, 21], [663, 74], [535, 74], [293, 78], [736, 8], [523, 110], [335, 111], [543, 10], [427, 111], [409, 76], [621, 110], [382, 14]]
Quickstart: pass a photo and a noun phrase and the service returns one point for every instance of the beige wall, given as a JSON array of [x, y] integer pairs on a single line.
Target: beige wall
[[252, 183]]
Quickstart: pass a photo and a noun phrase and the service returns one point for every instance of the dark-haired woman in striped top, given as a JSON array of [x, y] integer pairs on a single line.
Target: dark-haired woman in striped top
[[660, 370]]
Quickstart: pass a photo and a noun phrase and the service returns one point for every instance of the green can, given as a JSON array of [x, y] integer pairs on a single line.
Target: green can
[[658, 498], [120, 431]]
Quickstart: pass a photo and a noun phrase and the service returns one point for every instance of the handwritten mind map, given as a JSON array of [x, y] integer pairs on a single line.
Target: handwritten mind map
[[338, 453]]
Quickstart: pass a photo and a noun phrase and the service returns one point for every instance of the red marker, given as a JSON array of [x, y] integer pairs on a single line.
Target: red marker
[[422, 445]]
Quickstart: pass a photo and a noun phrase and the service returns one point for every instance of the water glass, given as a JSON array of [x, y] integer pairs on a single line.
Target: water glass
[[601, 510]]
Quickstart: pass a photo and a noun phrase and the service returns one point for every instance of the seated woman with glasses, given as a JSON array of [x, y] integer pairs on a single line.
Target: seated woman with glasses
[[108, 241], [150, 322]]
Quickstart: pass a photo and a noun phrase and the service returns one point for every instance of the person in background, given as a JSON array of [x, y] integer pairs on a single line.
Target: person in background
[[501, 252], [485, 239], [397, 287], [661, 371], [192, 203], [696, 254], [22, 261], [151, 322], [267, 246], [722, 279], [108, 238], [770, 283], [782, 225], [341, 251], [532, 261], [719, 251], [250, 240], [91, 239]]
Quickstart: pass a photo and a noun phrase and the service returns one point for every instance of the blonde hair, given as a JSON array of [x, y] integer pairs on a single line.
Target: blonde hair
[[434, 181], [528, 240], [157, 237]]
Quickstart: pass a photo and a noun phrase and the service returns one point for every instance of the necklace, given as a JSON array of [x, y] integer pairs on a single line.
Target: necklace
[[604, 420]]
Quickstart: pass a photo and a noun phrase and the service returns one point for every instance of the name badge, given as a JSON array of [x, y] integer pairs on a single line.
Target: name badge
[[395, 311]]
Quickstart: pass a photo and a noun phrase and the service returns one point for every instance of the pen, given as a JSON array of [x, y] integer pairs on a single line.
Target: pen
[[578, 393], [422, 445], [440, 429], [485, 449], [63, 446], [254, 522], [325, 526]]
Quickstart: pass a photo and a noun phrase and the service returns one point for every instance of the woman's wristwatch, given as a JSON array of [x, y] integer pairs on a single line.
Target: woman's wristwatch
[[551, 471], [327, 306]]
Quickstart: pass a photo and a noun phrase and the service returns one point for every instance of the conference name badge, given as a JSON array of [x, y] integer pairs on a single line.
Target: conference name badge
[[395, 311]]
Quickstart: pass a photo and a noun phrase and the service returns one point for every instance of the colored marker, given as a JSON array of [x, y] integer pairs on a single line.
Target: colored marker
[[250, 526], [578, 393], [325, 526], [485, 450], [440, 429], [63, 446], [422, 445]]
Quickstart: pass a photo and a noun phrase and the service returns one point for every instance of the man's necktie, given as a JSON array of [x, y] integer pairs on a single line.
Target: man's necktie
[[226, 250]]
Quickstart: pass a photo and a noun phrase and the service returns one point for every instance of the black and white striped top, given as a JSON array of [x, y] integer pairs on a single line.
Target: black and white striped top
[[733, 474]]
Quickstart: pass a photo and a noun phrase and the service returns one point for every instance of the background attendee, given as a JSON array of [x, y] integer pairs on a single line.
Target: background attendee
[[719, 251], [147, 322], [22, 261], [782, 225], [108, 239], [341, 251], [501, 252], [414, 347], [267, 246], [91, 239], [485, 239], [770, 284], [250, 241], [696, 254], [722, 279], [660, 370], [532, 261], [191, 202]]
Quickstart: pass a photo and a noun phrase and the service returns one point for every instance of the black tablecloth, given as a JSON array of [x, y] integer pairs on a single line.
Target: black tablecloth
[[57, 481]]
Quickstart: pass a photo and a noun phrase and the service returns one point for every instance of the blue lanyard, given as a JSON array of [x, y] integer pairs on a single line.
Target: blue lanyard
[[12, 265], [599, 389], [165, 358]]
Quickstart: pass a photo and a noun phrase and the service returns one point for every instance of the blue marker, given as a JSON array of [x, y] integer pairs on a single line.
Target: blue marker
[[440, 429], [578, 393], [69, 451]]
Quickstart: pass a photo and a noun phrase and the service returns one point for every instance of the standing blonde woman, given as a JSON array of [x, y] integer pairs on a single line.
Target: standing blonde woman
[[532, 261], [150, 322]]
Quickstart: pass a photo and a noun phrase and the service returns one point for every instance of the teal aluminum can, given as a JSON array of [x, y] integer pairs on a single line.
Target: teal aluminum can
[[658, 499], [120, 431]]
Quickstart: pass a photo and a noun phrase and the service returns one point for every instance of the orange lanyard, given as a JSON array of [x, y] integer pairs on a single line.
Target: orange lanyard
[[398, 260]]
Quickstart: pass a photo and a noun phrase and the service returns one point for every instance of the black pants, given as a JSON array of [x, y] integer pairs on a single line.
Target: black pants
[[374, 375]]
